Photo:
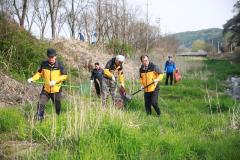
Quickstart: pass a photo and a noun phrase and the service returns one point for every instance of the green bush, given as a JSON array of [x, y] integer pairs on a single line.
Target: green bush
[[20, 52], [12, 120], [118, 47]]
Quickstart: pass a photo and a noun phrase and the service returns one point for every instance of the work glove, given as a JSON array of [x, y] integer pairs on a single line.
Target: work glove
[[52, 83], [91, 82], [30, 80], [142, 88], [113, 79], [156, 81], [122, 85]]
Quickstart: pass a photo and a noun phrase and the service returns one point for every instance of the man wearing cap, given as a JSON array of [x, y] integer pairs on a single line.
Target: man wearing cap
[[112, 71], [150, 75], [169, 69], [53, 74]]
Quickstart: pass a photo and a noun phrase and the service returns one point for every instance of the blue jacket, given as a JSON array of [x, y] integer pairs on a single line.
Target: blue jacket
[[170, 66]]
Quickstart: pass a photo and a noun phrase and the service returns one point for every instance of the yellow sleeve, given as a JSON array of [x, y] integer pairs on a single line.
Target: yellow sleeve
[[62, 78], [141, 82], [160, 77], [37, 76], [108, 73], [121, 78]]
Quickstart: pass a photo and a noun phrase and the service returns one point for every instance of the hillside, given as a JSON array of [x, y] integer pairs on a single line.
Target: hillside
[[187, 38], [80, 55]]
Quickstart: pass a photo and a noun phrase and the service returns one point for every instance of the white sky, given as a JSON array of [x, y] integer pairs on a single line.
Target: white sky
[[176, 15], [186, 15]]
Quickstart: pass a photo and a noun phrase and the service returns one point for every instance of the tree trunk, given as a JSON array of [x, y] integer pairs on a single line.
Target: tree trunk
[[53, 7], [73, 21], [21, 18], [24, 12]]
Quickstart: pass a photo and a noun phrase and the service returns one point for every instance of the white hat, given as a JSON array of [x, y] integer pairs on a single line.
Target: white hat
[[120, 58]]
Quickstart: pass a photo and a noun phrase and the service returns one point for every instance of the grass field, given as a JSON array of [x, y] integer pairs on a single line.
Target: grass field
[[198, 121]]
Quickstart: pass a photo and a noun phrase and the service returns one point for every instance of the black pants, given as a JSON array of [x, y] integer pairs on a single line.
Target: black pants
[[44, 97], [151, 99], [98, 84], [169, 75]]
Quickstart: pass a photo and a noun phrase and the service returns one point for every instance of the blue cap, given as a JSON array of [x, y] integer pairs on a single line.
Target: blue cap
[[51, 52]]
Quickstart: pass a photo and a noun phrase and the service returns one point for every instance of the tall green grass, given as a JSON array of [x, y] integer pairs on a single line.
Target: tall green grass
[[220, 71], [12, 121], [197, 122]]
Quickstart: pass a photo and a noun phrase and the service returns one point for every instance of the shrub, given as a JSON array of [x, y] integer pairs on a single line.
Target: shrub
[[118, 47]]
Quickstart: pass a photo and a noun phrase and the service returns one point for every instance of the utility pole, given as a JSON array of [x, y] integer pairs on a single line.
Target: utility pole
[[147, 27], [124, 22], [212, 47], [158, 20]]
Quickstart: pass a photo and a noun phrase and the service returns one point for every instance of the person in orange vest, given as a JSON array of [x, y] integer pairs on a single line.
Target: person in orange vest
[[54, 74], [150, 75]]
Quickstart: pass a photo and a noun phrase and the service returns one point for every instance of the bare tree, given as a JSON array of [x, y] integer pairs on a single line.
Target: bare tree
[[42, 15], [99, 18], [53, 8], [6, 7], [77, 7], [71, 18], [31, 14], [61, 19], [86, 23], [21, 11]]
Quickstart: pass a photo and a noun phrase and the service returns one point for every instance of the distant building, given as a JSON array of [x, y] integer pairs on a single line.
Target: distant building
[[199, 53]]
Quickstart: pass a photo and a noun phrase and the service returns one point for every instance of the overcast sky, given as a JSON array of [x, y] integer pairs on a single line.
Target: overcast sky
[[186, 15], [176, 15]]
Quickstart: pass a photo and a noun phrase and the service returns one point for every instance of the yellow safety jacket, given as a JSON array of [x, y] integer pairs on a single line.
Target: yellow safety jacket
[[111, 69], [148, 75], [50, 72]]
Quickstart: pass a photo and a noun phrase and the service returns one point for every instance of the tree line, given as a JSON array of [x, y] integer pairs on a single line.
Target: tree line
[[111, 19], [231, 29]]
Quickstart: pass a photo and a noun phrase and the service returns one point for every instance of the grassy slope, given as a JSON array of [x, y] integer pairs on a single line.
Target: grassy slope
[[195, 124], [20, 52]]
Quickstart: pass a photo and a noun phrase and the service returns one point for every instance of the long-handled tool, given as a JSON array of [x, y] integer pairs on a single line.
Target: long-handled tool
[[62, 85], [127, 97], [142, 89]]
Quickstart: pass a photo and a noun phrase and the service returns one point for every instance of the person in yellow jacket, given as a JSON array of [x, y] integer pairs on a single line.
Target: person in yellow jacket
[[113, 71], [53, 73], [150, 75]]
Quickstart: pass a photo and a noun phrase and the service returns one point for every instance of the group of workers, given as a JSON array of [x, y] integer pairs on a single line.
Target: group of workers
[[105, 80]]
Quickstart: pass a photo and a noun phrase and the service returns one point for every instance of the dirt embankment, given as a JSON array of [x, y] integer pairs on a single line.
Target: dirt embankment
[[81, 55], [13, 92]]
